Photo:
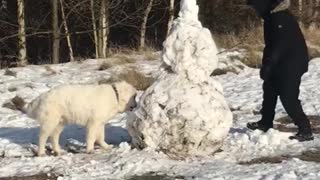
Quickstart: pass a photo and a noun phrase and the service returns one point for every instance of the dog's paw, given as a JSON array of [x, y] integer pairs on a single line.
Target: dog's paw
[[59, 153], [89, 151], [106, 146], [41, 154]]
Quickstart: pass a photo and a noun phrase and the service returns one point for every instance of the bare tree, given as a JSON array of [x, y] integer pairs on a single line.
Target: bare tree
[[143, 27], [22, 56], [171, 16], [3, 4], [103, 28], [94, 25], [300, 7], [56, 32], [66, 29], [316, 8]]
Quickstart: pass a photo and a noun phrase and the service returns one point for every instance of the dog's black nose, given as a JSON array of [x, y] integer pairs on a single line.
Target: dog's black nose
[[133, 106]]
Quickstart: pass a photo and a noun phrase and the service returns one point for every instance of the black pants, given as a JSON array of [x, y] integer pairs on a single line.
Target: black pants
[[287, 88]]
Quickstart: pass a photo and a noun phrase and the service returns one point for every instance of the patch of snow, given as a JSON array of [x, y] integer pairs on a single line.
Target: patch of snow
[[230, 61]]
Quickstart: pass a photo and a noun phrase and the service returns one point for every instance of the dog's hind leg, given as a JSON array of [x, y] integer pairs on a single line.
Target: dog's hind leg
[[55, 139], [101, 135]]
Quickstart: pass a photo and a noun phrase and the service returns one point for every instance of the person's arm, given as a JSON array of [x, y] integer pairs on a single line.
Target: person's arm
[[279, 43], [276, 49]]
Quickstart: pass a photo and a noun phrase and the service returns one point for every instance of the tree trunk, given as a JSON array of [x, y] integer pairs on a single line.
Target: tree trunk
[[4, 4], [94, 28], [310, 9], [171, 16], [315, 14], [56, 33], [22, 55], [66, 29], [316, 7], [144, 25], [300, 7], [104, 28]]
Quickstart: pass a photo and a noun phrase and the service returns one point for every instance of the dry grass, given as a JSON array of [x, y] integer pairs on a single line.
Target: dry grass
[[50, 69], [265, 160], [284, 124], [138, 80], [9, 105], [12, 89], [309, 156], [154, 176], [127, 56], [121, 50], [9, 72], [16, 103], [124, 58], [34, 177], [104, 66], [251, 40], [115, 61], [149, 53], [312, 35]]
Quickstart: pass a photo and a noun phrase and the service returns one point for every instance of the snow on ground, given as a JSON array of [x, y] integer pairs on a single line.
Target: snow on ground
[[18, 133]]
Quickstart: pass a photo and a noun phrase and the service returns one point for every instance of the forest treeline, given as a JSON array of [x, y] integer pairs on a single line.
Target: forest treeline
[[55, 31]]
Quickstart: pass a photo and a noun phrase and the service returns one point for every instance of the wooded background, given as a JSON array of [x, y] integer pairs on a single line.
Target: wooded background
[[55, 31]]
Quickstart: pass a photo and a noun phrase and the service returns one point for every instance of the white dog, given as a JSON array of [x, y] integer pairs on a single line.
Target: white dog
[[87, 105]]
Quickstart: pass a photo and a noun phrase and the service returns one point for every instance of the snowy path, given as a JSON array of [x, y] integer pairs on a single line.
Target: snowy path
[[18, 133]]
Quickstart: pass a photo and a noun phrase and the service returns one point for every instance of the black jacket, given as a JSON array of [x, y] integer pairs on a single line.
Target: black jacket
[[285, 47]]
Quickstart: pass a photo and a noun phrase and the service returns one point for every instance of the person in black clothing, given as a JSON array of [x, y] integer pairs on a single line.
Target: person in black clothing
[[285, 60]]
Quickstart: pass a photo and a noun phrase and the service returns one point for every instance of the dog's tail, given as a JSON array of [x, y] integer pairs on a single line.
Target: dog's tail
[[19, 104]]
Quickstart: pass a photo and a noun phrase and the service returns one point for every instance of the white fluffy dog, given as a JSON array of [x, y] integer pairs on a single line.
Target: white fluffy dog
[[87, 105]]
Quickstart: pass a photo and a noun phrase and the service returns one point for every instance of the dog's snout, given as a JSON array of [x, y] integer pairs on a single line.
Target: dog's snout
[[134, 105]]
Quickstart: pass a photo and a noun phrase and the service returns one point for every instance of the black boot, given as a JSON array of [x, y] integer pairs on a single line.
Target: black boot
[[302, 136], [304, 131], [259, 126]]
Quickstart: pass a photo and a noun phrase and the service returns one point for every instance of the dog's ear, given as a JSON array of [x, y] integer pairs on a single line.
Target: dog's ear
[[120, 84]]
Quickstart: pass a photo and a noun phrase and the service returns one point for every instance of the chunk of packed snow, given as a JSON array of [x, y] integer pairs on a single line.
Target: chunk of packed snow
[[184, 112]]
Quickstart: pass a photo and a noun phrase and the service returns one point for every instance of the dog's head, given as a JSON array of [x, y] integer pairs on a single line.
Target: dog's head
[[127, 94]]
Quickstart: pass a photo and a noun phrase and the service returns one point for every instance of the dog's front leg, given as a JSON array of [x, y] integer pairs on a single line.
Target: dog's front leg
[[91, 137], [101, 136], [45, 131], [55, 139]]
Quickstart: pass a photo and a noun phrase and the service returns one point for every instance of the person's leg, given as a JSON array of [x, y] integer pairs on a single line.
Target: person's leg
[[289, 96], [269, 103]]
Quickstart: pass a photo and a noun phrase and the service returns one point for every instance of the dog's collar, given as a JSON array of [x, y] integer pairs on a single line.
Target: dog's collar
[[115, 91]]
